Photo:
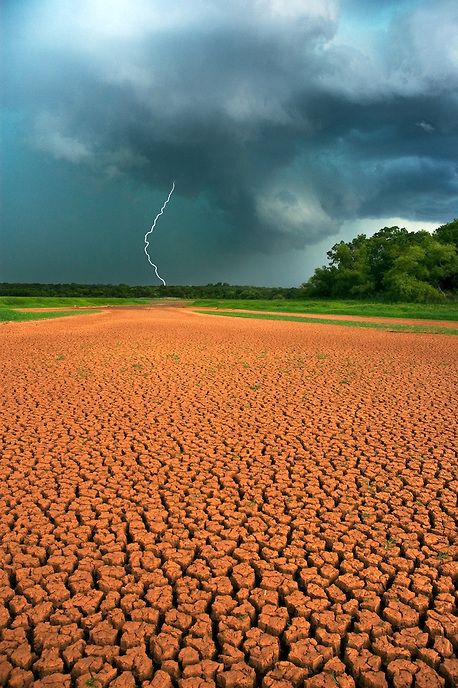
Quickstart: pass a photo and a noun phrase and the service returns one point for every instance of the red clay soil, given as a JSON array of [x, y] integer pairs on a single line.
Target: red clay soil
[[195, 502]]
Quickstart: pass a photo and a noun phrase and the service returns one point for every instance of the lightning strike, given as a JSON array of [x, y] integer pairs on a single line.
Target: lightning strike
[[152, 229]]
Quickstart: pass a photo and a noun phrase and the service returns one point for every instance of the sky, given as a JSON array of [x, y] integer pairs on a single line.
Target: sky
[[287, 126]]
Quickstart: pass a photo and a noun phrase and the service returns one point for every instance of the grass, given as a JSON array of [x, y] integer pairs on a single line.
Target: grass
[[389, 542], [10, 315], [419, 311], [8, 304], [391, 327], [58, 301], [441, 311]]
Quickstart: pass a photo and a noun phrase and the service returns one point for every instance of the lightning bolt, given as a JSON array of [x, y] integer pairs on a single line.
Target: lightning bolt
[[152, 229]]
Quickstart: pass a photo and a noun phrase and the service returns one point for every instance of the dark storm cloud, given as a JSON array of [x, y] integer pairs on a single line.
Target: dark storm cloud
[[264, 106]]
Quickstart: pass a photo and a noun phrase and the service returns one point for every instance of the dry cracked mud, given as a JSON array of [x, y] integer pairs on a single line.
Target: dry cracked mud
[[190, 503]]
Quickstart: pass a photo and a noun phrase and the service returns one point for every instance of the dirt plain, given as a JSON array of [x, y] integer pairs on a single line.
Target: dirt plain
[[190, 501]]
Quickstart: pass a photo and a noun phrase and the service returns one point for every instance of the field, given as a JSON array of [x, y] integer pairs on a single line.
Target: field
[[13, 315], [417, 311], [391, 325], [191, 501], [62, 301], [11, 307]]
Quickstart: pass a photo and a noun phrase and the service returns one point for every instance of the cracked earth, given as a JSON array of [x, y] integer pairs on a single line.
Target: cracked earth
[[189, 503]]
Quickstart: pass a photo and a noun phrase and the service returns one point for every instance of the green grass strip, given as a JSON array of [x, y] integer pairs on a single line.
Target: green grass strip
[[414, 311], [55, 301], [388, 327], [10, 315]]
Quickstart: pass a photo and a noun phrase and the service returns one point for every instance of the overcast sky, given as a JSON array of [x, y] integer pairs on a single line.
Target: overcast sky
[[286, 125]]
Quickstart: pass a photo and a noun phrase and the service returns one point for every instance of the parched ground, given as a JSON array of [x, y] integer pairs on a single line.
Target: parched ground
[[195, 502]]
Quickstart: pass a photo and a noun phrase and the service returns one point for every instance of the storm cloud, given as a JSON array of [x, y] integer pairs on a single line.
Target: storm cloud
[[288, 117]]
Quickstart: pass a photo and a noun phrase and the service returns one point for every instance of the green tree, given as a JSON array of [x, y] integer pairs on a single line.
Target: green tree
[[448, 234], [322, 282], [394, 264], [382, 250]]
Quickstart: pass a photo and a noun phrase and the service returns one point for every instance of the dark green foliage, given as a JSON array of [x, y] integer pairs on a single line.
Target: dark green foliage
[[448, 234], [111, 291], [393, 264]]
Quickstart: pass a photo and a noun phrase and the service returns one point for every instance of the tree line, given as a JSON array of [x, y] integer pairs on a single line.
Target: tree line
[[220, 290], [392, 265]]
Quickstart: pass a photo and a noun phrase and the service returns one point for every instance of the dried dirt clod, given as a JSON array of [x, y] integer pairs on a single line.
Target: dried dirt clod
[[22, 657], [240, 675], [188, 656], [426, 677], [401, 615], [103, 634], [371, 623], [402, 673], [325, 680], [125, 680], [166, 645], [308, 654], [161, 680], [285, 673], [54, 681], [273, 619], [332, 640], [443, 646], [385, 648], [195, 682], [137, 662], [204, 646], [298, 630], [366, 667], [5, 670], [179, 620], [243, 576], [335, 667], [102, 678], [50, 662], [449, 669], [73, 652], [20, 678], [412, 639], [231, 655], [207, 669], [263, 650], [87, 665]]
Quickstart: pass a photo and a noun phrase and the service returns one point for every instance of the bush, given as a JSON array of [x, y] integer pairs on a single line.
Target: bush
[[402, 287]]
